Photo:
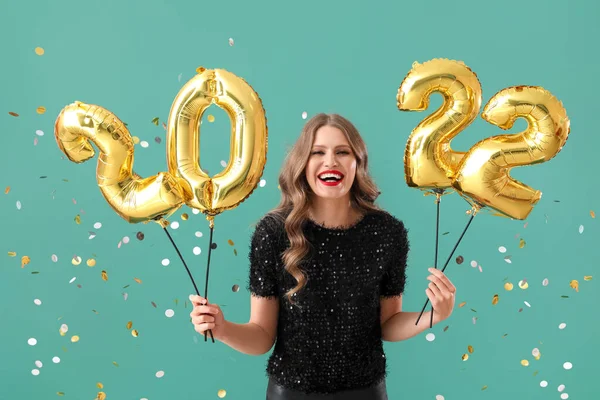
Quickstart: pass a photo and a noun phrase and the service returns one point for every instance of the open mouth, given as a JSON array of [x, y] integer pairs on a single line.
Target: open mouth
[[331, 178]]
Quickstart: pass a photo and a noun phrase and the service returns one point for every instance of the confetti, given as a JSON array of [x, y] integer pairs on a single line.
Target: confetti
[[39, 132], [223, 163], [165, 262], [439, 397], [138, 280], [567, 365], [77, 219], [140, 236], [160, 374], [502, 249], [210, 118], [508, 286], [174, 225], [461, 305], [169, 313], [230, 41], [104, 275], [197, 250], [101, 396], [304, 115], [562, 325], [144, 144], [522, 243], [155, 121], [430, 337], [474, 264], [525, 363], [544, 384], [54, 258], [18, 205], [470, 349], [129, 325], [12, 253], [40, 110], [39, 51], [35, 372], [527, 304], [545, 282], [564, 396], [561, 388], [574, 285], [581, 228], [221, 393], [126, 239], [262, 183], [460, 260], [157, 139], [14, 114], [135, 333], [76, 260], [536, 353], [7, 190], [32, 341], [37, 302], [55, 360], [465, 357], [75, 339], [136, 140], [587, 278], [198, 234], [184, 217], [495, 300], [235, 288], [24, 261], [97, 225], [523, 284], [99, 385]]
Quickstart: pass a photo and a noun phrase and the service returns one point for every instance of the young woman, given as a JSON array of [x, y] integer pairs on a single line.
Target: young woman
[[327, 274]]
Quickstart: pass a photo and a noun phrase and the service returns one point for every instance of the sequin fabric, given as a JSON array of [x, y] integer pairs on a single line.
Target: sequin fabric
[[330, 338]]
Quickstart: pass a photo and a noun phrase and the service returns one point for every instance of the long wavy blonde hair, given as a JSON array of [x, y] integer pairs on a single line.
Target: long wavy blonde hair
[[296, 192]]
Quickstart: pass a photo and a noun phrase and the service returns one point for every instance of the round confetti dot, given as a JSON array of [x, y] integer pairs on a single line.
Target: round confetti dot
[[76, 260], [535, 352], [544, 384], [523, 284], [545, 282], [567, 365], [32, 342], [140, 235], [174, 225], [508, 286], [561, 388], [564, 396], [39, 364], [54, 258], [304, 115], [18, 205], [39, 51], [502, 249], [430, 337], [525, 363], [439, 397], [210, 118], [39, 132], [64, 328], [126, 239], [581, 228], [169, 313], [75, 339], [223, 163], [230, 41], [562, 326], [198, 234], [97, 225], [37, 302], [474, 264], [165, 262], [213, 246], [160, 374], [144, 144], [262, 183], [235, 288], [221, 393], [35, 372], [196, 211], [40, 110], [55, 360], [460, 260], [197, 250], [91, 262]]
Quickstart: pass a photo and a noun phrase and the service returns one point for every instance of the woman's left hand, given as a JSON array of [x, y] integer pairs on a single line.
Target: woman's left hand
[[441, 293]]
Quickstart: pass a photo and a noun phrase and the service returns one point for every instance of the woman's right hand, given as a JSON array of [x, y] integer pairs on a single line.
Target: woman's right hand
[[206, 316]]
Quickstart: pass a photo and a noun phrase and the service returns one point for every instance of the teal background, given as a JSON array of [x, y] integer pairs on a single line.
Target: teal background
[[132, 57]]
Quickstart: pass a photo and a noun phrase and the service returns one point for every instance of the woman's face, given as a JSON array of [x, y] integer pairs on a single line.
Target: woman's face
[[331, 166]]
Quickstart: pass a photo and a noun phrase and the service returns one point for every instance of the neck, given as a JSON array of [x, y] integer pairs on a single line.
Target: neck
[[332, 212]]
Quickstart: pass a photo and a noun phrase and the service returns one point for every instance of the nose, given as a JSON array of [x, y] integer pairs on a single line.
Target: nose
[[330, 160]]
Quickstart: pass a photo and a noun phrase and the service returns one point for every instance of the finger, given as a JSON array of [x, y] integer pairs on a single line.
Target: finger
[[444, 279], [204, 327], [431, 296], [439, 283], [436, 290], [197, 300], [203, 319], [199, 310]]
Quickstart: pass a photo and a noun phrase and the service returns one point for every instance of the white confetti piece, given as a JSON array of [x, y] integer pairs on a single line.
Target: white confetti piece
[[564, 396], [474, 320], [198, 234], [195, 211], [64, 328], [174, 225], [535, 352], [35, 141], [97, 225], [567, 365], [54, 258], [160, 374], [18, 205], [125, 296], [144, 144], [561, 388], [223, 163], [581, 228], [165, 262], [304, 115], [508, 260], [544, 384], [480, 270], [545, 282], [502, 249], [37, 302], [430, 337], [39, 364], [169, 313], [262, 183], [72, 280], [439, 397], [231, 42], [55, 360], [197, 250], [119, 244], [39, 132], [179, 77], [126, 239], [35, 372], [527, 304], [32, 342], [562, 326], [474, 264]]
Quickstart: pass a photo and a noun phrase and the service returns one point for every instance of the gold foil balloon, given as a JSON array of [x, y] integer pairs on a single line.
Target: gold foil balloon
[[248, 149], [429, 160], [134, 198], [483, 175]]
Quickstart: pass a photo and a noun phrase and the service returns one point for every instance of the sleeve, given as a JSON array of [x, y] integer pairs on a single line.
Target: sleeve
[[262, 280], [394, 276]]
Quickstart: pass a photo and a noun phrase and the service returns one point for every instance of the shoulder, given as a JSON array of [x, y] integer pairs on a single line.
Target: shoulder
[[271, 223], [386, 220]]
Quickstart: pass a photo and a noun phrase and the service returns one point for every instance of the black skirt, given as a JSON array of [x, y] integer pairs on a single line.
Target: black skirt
[[278, 392]]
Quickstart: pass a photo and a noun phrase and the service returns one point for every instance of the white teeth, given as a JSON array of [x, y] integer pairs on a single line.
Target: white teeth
[[328, 175]]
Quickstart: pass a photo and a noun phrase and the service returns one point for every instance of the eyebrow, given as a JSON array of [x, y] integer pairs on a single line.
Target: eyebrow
[[337, 147]]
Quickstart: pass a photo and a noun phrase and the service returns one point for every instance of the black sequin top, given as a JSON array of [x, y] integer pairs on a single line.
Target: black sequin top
[[330, 338]]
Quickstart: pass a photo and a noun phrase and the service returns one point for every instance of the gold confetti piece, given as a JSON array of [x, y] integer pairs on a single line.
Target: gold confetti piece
[[508, 286], [505, 335], [155, 121], [14, 114], [221, 393], [592, 214], [521, 243], [210, 118], [235, 252], [76, 260], [129, 325], [470, 348], [115, 364], [12, 253], [138, 280], [60, 393], [523, 284], [91, 262], [184, 216], [95, 312], [465, 357], [230, 242], [484, 387], [75, 339], [24, 261], [461, 305], [136, 140], [134, 333], [7, 190], [101, 396], [200, 70], [77, 219], [99, 385], [39, 51], [574, 284], [164, 127], [587, 278], [495, 300], [104, 275], [525, 363], [40, 110]]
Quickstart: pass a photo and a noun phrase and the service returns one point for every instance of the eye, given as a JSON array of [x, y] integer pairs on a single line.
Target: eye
[[317, 152], [344, 152]]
